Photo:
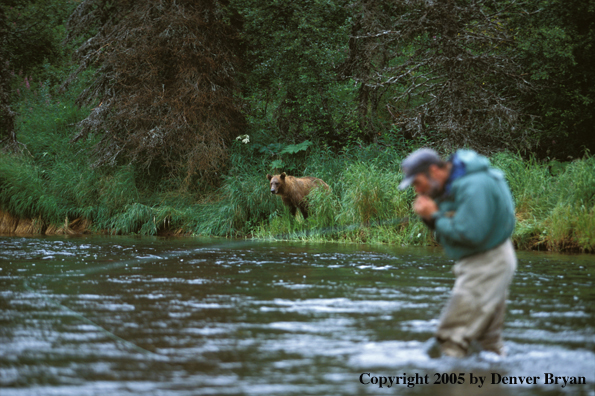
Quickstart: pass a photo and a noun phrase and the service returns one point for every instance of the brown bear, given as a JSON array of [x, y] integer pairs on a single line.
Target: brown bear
[[293, 190]]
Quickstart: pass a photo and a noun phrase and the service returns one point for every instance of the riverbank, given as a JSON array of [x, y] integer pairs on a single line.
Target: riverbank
[[555, 201], [51, 188]]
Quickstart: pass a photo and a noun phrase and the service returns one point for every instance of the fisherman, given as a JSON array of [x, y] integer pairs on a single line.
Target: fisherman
[[469, 206]]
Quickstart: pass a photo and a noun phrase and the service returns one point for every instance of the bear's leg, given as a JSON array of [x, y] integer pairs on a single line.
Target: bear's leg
[[304, 212], [293, 210]]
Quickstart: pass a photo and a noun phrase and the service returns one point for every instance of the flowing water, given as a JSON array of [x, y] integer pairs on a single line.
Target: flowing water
[[152, 316]]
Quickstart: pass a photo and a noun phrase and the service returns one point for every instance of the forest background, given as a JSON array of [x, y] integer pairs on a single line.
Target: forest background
[[162, 117]]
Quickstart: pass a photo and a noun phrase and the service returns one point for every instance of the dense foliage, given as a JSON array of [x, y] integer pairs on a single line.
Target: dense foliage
[[442, 70], [490, 75], [30, 35], [291, 85], [168, 115], [557, 40]]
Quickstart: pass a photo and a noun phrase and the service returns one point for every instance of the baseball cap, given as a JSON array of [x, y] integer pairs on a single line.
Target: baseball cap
[[417, 162]]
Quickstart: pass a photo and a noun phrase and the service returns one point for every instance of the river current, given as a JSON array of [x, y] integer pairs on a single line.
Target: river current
[[184, 316]]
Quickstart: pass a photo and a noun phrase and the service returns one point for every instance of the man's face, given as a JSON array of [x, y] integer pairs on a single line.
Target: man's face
[[425, 184]]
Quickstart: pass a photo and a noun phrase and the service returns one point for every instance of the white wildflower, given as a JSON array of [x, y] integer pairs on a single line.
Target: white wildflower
[[244, 138]]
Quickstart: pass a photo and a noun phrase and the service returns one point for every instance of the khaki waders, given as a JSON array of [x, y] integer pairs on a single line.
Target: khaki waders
[[477, 304]]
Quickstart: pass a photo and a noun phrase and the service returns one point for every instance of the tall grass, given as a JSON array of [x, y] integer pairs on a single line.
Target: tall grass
[[555, 202], [41, 183], [53, 180], [363, 204]]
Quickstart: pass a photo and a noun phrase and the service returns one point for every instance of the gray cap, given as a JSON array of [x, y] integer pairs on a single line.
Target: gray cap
[[417, 162]]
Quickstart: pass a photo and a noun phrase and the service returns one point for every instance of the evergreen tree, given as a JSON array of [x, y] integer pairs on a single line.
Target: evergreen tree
[[449, 70], [165, 78]]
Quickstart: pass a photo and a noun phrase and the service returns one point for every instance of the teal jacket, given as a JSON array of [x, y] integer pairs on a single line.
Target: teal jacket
[[476, 210]]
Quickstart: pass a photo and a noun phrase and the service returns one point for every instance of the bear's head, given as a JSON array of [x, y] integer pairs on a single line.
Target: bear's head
[[277, 183]]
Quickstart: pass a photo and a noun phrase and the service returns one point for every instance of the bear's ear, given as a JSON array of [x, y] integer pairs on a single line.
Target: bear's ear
[[283, 176], [269, 176]]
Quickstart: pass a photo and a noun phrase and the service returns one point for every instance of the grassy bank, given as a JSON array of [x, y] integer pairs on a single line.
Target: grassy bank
[[54, 185]]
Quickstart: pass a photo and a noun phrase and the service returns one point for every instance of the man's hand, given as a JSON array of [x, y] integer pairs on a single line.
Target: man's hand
[[424, 206]]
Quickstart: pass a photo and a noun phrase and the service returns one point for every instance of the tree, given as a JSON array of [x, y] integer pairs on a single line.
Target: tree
[[368, 53], [292, 49], [8, 139], [450, 71], [557, 42], [164, 85], [30, 32]]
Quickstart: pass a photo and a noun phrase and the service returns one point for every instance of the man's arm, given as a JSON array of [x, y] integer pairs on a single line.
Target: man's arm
[[472, 221]]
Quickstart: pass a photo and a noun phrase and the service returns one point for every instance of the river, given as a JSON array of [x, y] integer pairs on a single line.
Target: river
[[97, 315]]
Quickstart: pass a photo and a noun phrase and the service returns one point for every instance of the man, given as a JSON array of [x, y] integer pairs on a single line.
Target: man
[[470, 208]]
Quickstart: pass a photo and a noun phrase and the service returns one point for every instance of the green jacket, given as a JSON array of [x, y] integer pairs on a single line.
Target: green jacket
[[476, 210]]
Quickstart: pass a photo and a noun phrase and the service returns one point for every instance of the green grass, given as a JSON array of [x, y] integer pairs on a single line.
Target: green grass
[[555, 202], [362, 206]]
